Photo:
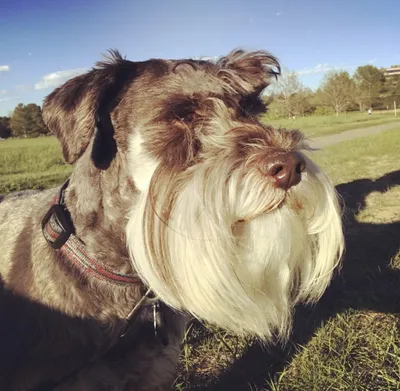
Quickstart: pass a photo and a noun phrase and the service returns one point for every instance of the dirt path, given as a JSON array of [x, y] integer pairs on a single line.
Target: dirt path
[[321, 142]]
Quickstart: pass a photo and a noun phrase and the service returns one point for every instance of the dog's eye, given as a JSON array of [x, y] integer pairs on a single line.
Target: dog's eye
[[184, 112], [181, 109]]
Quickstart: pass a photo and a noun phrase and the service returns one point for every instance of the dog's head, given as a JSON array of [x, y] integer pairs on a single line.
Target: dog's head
[[230, 220]]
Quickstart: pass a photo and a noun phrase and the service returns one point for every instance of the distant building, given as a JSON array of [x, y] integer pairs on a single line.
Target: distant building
[[393, 70]]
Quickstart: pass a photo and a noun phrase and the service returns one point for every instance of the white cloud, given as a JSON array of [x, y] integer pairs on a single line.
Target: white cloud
[[4, 68], [206, 58], [320, 68], [323, 68], [54, 79], [279, 13], [3, 92], [373, 61]]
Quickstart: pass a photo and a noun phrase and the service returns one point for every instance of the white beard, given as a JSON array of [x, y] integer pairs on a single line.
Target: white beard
[[246, 276]]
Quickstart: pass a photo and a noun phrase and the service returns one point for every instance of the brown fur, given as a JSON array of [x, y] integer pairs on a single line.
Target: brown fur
[[54, 319]]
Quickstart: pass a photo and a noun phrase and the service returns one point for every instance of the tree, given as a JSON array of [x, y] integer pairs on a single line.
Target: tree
[[35, 124], [27, 121], [302, 102], [18, 121], [290, 96], [370, 82], [337, 91], [391, 91], [395, 91], [5, 130], [44, 130]]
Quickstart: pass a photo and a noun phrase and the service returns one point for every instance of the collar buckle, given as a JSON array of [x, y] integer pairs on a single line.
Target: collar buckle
[[58, 213]]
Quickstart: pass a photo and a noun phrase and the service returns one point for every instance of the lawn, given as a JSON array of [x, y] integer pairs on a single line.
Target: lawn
[[38, 164], [351, 339], [323, 125], [31, 164]]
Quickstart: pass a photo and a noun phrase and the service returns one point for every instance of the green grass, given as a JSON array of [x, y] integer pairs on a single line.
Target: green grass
[[364, 157], [316, 126], [350, 341], [355, 351], [38, 164], [31, 164]]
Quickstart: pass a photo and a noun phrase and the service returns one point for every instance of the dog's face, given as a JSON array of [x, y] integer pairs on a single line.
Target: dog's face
[[232, 223]]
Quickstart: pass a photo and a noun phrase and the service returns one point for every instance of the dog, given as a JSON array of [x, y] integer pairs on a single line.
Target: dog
[[181, 204]]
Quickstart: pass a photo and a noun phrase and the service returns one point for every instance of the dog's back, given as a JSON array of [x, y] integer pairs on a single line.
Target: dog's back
[[18, 194], [20, 216]]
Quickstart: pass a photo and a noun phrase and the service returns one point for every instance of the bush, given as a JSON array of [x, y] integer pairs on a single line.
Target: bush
[[323, 110]]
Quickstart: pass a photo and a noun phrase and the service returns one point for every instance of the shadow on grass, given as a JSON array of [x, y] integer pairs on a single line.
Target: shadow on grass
[[28, 329], [366, 282]]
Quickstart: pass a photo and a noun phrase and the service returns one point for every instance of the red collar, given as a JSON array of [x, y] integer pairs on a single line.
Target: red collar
[[58, 230]]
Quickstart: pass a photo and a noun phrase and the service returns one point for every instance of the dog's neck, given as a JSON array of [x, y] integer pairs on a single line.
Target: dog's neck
[[99, 202]]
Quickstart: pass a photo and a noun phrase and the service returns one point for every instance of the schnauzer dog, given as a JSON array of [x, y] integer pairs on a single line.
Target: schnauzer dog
[[180, 202]]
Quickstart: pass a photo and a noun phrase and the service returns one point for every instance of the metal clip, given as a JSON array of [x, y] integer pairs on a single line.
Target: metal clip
[[158, 318], [159, 323], [155, 319], [144, 301]]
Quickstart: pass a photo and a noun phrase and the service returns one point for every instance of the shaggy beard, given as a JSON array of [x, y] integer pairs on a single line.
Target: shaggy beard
[[227, 246]]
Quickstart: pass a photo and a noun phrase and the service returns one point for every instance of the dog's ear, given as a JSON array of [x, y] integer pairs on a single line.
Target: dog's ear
[[248, 72], [80, 109]]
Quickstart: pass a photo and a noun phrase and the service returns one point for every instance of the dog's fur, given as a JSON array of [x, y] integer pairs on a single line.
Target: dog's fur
[[174, 189]]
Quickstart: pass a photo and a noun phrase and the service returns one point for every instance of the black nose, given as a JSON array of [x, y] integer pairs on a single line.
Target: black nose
[[286, 169]]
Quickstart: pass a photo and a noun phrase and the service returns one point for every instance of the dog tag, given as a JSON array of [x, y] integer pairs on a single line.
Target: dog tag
[[158, 318], [158, 324], [155, 310]]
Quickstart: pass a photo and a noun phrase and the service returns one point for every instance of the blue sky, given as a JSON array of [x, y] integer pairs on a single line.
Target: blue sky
[[44, 42]]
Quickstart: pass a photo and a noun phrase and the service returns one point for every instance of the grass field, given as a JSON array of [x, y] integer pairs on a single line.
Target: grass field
[[21, 168], [350, 341], [328, 124], [31, 164]]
